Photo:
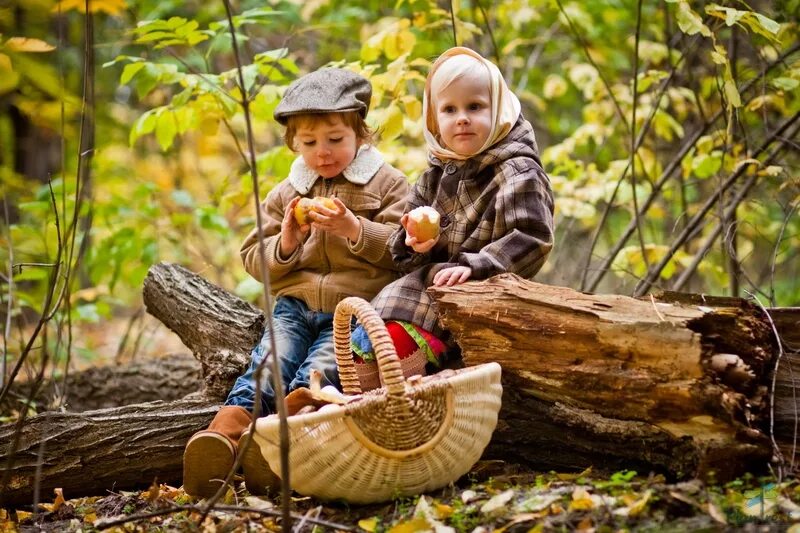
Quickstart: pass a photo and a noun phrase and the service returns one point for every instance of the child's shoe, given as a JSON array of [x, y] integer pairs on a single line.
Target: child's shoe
[[210, 454], [258, 477]]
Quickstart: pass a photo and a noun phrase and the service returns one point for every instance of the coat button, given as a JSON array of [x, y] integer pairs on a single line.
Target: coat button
[[450, 168]]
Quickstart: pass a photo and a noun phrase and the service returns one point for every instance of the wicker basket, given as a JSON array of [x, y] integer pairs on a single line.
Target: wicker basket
[[405, 438]]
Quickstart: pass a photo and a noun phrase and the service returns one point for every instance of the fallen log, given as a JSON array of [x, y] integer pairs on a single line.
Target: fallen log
[[595, 379], [547, 423], [95, 452], [218, 327], [166, 378]]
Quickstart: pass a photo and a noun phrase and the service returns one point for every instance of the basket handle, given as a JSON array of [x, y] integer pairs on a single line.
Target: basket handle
[[388, 362]]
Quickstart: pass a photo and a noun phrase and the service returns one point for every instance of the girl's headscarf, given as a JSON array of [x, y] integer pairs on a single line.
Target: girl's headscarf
[[451, 65]]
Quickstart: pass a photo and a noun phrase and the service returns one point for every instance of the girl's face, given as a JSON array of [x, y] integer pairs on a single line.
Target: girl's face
[[327, 146], [464, 114]]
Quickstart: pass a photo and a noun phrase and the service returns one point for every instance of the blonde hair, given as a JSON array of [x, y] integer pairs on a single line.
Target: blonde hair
[[452, 70], [351, 119]]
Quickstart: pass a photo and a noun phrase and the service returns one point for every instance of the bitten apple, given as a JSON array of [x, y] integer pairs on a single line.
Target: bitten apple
[[423, 223], [306, 205]]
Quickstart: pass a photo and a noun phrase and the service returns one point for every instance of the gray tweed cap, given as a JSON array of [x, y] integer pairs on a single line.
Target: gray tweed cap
[[328, 90]]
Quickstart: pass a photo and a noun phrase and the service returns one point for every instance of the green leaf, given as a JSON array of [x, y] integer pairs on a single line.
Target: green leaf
[[166, 128], [146, 80], [768, 24], [706, 165], [786, 84], [143, 125], [129, 72], [690, 22], [732, 93]]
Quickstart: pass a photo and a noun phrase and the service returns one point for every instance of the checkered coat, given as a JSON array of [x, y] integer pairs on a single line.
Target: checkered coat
[[496, 216]]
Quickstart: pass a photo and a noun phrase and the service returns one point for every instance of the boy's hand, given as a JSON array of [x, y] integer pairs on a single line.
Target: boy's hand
[[292, 233], [452, 276], [419, 247], [341, 221]]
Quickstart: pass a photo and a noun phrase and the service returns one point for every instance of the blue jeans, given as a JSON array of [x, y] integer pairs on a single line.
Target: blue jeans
[[303, 340]]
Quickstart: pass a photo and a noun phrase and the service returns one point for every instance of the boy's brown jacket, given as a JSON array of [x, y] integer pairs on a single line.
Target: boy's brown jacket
[[326, 268]]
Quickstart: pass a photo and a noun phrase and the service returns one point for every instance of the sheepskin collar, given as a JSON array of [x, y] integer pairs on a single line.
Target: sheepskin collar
[[361, 169]]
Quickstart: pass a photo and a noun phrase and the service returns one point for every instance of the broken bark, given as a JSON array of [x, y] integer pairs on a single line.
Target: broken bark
[[607, 381]]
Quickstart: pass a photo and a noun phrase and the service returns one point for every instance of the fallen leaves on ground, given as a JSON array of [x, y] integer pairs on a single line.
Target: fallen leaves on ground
[[502, 499]]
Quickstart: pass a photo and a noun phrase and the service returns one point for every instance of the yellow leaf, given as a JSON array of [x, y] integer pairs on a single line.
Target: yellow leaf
[[581, 500], [5, 63], [442, 510], [554, 86], [732, 93], [152, 493], [639, 505], [59, 501], [23, 515], [368, 524], [413, 107], [393, 125], [415, 525], [90, 518], [24, 44], [772, 170]]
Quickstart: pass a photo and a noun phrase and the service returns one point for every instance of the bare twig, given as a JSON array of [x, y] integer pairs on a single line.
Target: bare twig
[[103, 524], [634, 146], [489, 31], [775, 448], [694, 224], [665, 175], [774, 261], [585, 47], [453, 22], [277, 383]]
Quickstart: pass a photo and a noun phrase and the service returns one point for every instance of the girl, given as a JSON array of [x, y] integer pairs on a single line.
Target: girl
[[342, 252], [494, 201]]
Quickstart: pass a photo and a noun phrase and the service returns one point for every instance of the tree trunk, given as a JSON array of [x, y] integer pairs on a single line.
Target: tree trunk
[[609, 381]]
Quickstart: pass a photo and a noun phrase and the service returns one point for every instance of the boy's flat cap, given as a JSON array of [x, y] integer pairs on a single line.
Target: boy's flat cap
[[328, 90]]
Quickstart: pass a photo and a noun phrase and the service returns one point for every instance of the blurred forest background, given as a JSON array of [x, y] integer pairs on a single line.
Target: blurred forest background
[[669, 130]]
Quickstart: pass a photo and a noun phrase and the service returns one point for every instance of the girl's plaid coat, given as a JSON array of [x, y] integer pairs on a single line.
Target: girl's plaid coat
[[496, 216]]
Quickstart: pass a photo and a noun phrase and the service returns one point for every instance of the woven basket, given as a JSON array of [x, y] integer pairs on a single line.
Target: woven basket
[[403, 439]]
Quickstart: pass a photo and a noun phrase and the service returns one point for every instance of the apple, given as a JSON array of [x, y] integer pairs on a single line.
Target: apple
[[306, 205], [423, 223]]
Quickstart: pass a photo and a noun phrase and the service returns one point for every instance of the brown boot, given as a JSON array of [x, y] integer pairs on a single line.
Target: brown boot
[[210, 454], [258, 477]]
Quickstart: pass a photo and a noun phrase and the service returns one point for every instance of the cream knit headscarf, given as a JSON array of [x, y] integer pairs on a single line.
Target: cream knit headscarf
[[444, 71]]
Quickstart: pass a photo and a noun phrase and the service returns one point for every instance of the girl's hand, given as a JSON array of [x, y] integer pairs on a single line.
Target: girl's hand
[[292, 233], [452, 276], [341, 221], [419, 247]]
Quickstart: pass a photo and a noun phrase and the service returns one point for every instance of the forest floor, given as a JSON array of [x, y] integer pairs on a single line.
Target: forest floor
[[494, 496]]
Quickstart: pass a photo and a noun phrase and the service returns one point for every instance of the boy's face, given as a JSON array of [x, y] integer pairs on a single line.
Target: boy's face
[[327, 146], [464, 114]]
